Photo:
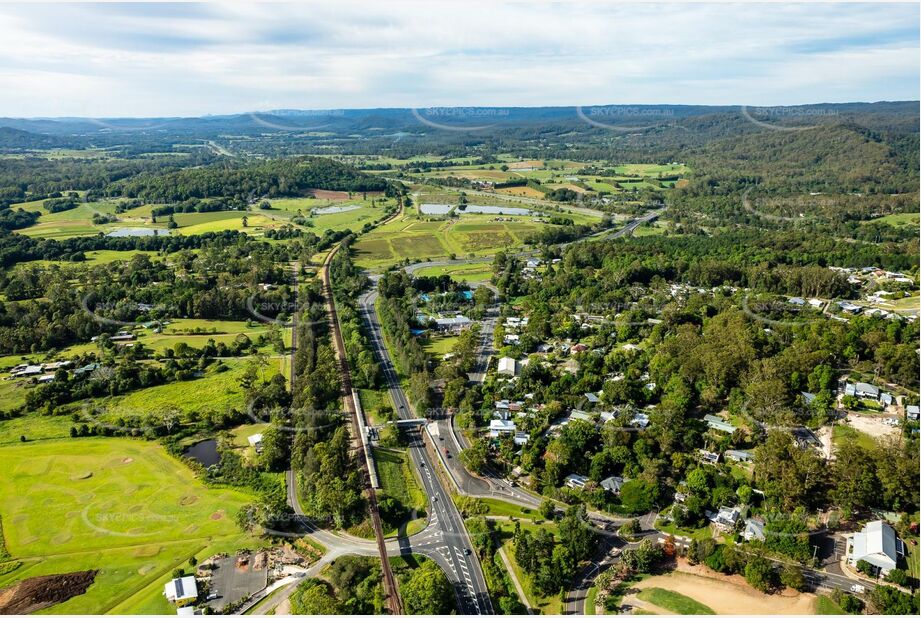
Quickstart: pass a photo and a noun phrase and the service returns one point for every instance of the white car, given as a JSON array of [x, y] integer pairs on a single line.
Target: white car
[[858, 589]]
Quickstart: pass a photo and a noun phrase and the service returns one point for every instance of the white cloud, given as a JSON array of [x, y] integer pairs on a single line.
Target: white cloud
[[144, 60]]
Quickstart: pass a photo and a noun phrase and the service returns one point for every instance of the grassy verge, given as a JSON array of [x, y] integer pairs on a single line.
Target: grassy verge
[[590, 597], [398, 481], [824, 606]]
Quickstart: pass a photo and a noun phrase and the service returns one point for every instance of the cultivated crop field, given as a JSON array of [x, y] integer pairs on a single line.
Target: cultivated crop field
[[66, 504]]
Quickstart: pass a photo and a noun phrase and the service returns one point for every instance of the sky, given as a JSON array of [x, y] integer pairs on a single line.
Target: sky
[[143, 60]]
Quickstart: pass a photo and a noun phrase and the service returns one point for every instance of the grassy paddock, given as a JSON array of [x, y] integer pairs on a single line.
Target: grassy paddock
[[126, 500]]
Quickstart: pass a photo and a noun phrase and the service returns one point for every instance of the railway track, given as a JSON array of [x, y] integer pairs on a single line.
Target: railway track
[[390, 584]]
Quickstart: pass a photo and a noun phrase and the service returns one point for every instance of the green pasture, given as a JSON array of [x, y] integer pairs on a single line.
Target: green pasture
[[122, 506]]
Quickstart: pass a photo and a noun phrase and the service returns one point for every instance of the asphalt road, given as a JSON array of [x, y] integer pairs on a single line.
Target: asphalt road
[[445, 539]]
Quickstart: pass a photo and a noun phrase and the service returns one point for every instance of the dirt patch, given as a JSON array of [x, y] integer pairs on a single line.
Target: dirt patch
[[81, 476], [872, 425], [726, 594], [127, 460], [324, 194], [188, 500], [37, 593], [217, 515]]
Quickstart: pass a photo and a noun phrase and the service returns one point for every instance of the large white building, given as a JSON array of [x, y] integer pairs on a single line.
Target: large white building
[[877, 544], [181, 589]]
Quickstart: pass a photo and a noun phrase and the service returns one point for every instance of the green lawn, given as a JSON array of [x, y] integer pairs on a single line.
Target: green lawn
[[439, 345], [122, 506], [501, 508], [590, 597], [845, 433], [674, 602]]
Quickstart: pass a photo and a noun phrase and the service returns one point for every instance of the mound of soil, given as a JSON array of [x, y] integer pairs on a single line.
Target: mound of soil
[[36, 593]]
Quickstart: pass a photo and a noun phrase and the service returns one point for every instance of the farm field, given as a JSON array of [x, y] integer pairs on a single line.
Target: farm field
[[476, 272], [319, 222], [419, 240], [126, 500]]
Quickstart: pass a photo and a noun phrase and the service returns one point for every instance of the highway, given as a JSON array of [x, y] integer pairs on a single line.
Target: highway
[[445, 539]]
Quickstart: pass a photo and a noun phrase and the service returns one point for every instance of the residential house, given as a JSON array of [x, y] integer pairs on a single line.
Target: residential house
[[613, 484], [498, 428], [521, 438], [862, 390], [739, 456], [715, 422], [877, 544], [912, 413], [725, 519], [508, 366], [579, 415], [576, 481], [640, 420], [754, 530], [708, 457], [579, 347]]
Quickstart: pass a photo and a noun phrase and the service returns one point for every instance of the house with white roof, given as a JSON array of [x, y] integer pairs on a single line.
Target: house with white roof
[[576, 481], [754, 529], [508, 366], [499, 427], [877, 544]]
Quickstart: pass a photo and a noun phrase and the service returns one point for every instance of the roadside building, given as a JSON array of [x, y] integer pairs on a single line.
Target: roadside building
[[877, 544]]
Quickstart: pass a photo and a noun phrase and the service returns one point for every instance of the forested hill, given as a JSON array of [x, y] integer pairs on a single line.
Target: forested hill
[[836, 158], [278, 178]]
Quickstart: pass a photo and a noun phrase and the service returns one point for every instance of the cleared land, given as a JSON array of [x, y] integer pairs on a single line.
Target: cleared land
[[721, 594], [66, 503]]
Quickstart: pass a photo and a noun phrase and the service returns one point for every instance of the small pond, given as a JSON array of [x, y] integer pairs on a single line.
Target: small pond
[[435, 209], [204, 452], [498, 210], [331, 210], [137, 231]]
